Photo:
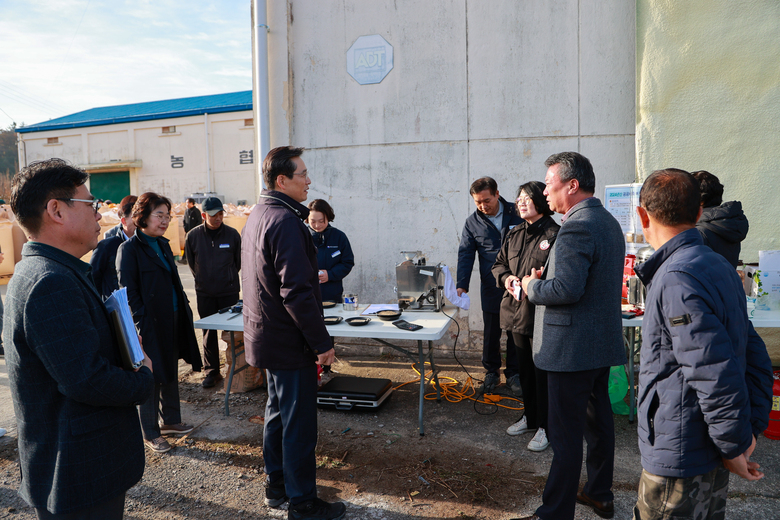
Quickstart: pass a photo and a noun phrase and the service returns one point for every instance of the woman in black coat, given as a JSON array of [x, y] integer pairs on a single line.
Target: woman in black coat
[[526, 247], [161, 312], [334, 254]]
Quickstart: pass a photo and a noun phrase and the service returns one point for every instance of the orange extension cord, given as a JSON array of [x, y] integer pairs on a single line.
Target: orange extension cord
[[449, 391]]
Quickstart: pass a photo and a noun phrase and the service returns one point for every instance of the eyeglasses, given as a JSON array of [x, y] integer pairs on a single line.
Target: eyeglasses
[[305, 174], [95, 203], [523, 201], [162, 217]]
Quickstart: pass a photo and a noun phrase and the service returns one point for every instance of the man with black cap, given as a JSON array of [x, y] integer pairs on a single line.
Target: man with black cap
[[213, 252]]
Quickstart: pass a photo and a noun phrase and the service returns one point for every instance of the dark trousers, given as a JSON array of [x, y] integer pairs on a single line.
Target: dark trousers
[[290, 432], [491, 347], [208, 305], [579, 405], [112, 509], [534, 383], [163, 402]]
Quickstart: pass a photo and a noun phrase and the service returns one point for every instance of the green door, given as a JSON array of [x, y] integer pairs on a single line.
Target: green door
[[113, 186]]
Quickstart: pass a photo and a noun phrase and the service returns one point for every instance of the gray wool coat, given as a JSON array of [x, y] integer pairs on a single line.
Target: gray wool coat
[[578, 325], [79, 437]]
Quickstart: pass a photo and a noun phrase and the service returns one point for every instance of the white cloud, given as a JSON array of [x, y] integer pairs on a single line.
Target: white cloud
[[139, 50]]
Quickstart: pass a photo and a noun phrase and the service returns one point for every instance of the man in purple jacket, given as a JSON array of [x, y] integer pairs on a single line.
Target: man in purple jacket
[[284, 332]]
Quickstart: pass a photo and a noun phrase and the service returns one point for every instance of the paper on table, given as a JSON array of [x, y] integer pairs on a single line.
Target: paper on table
[[769, 260], [376, 307], [128, 336]]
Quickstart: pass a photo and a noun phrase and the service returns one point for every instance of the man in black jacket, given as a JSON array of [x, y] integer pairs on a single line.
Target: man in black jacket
[[80, 445], [284, 333], [103, 259], [213, 252], [722, 225], [483, 233], [192, 219]]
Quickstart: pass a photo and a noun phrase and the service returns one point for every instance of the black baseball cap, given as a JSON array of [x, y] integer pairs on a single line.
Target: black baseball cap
[[211, 206]]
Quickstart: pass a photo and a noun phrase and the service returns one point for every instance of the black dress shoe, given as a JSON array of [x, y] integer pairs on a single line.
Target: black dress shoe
[[603, 509], [212, 379]]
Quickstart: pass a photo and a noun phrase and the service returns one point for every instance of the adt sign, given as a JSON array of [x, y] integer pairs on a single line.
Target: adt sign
[[370, 59]]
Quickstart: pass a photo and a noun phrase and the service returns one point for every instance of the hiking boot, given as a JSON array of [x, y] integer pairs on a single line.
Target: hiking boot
[[539, 442], [275, 494], [176, 429], [316, 509], [211, 379], [489, 384], [158, 445], [514, 384], [519, 427]]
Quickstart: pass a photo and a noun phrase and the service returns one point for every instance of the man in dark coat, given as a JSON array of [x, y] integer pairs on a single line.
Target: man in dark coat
[[722, 225], [705, 384], [103, 259], [482, 235], [192, 219], [578, 336], [80, 445], [284, 332], [192, 216], [213, 252]]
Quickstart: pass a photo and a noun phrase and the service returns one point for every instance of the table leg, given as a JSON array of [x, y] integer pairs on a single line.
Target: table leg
[[230, 375], [631, 396], [433, 369], [421, 429]]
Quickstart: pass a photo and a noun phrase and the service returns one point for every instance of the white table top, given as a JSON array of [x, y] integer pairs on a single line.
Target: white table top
[[435, 324], [760, 319]]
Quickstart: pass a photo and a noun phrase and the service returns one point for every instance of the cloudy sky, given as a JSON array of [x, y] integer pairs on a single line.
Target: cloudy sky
[[58, 57]]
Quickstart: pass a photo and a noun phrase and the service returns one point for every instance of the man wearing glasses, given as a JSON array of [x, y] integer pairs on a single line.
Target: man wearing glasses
[[80, 446], [284, 333]]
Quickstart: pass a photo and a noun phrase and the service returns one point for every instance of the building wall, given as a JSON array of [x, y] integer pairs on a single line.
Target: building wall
[[708, 92], [474, 91], [172, 164]]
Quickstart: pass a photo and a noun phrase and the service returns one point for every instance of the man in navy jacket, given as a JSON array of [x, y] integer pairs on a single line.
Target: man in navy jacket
[[284, 332], [705, 382], [80, 446], [483, 233]]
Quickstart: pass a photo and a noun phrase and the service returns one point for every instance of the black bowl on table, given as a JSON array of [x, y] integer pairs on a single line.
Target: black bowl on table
[[328, 304], [357, 321], [389, 315], [332, 320]]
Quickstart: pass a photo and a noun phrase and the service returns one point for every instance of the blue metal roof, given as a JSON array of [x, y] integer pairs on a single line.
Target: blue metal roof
[[182, 107]]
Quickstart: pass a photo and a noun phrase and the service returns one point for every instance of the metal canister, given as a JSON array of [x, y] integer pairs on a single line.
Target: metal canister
[[637, 292]]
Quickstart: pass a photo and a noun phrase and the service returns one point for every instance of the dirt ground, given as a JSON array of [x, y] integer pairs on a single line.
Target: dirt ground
[[465, 467]]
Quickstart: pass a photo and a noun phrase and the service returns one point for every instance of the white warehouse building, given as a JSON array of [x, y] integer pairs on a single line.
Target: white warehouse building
[[174, 147]]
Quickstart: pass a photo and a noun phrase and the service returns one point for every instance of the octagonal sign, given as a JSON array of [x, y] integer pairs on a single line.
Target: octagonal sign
[[370, 59]]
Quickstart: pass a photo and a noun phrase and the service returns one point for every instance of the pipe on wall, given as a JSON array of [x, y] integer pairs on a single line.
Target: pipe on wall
[[260, 107], [208, 153]]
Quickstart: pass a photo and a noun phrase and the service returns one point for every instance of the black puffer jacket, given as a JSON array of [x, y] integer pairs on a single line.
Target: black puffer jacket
[[526, 247], [723, 228]]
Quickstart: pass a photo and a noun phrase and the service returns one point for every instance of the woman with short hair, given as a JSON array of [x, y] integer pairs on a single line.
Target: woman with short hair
[[334, 253], [162, 314], [526, 247]]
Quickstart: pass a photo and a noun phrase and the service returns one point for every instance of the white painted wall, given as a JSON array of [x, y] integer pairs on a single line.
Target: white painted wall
[[478, 88], [144, 141]]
